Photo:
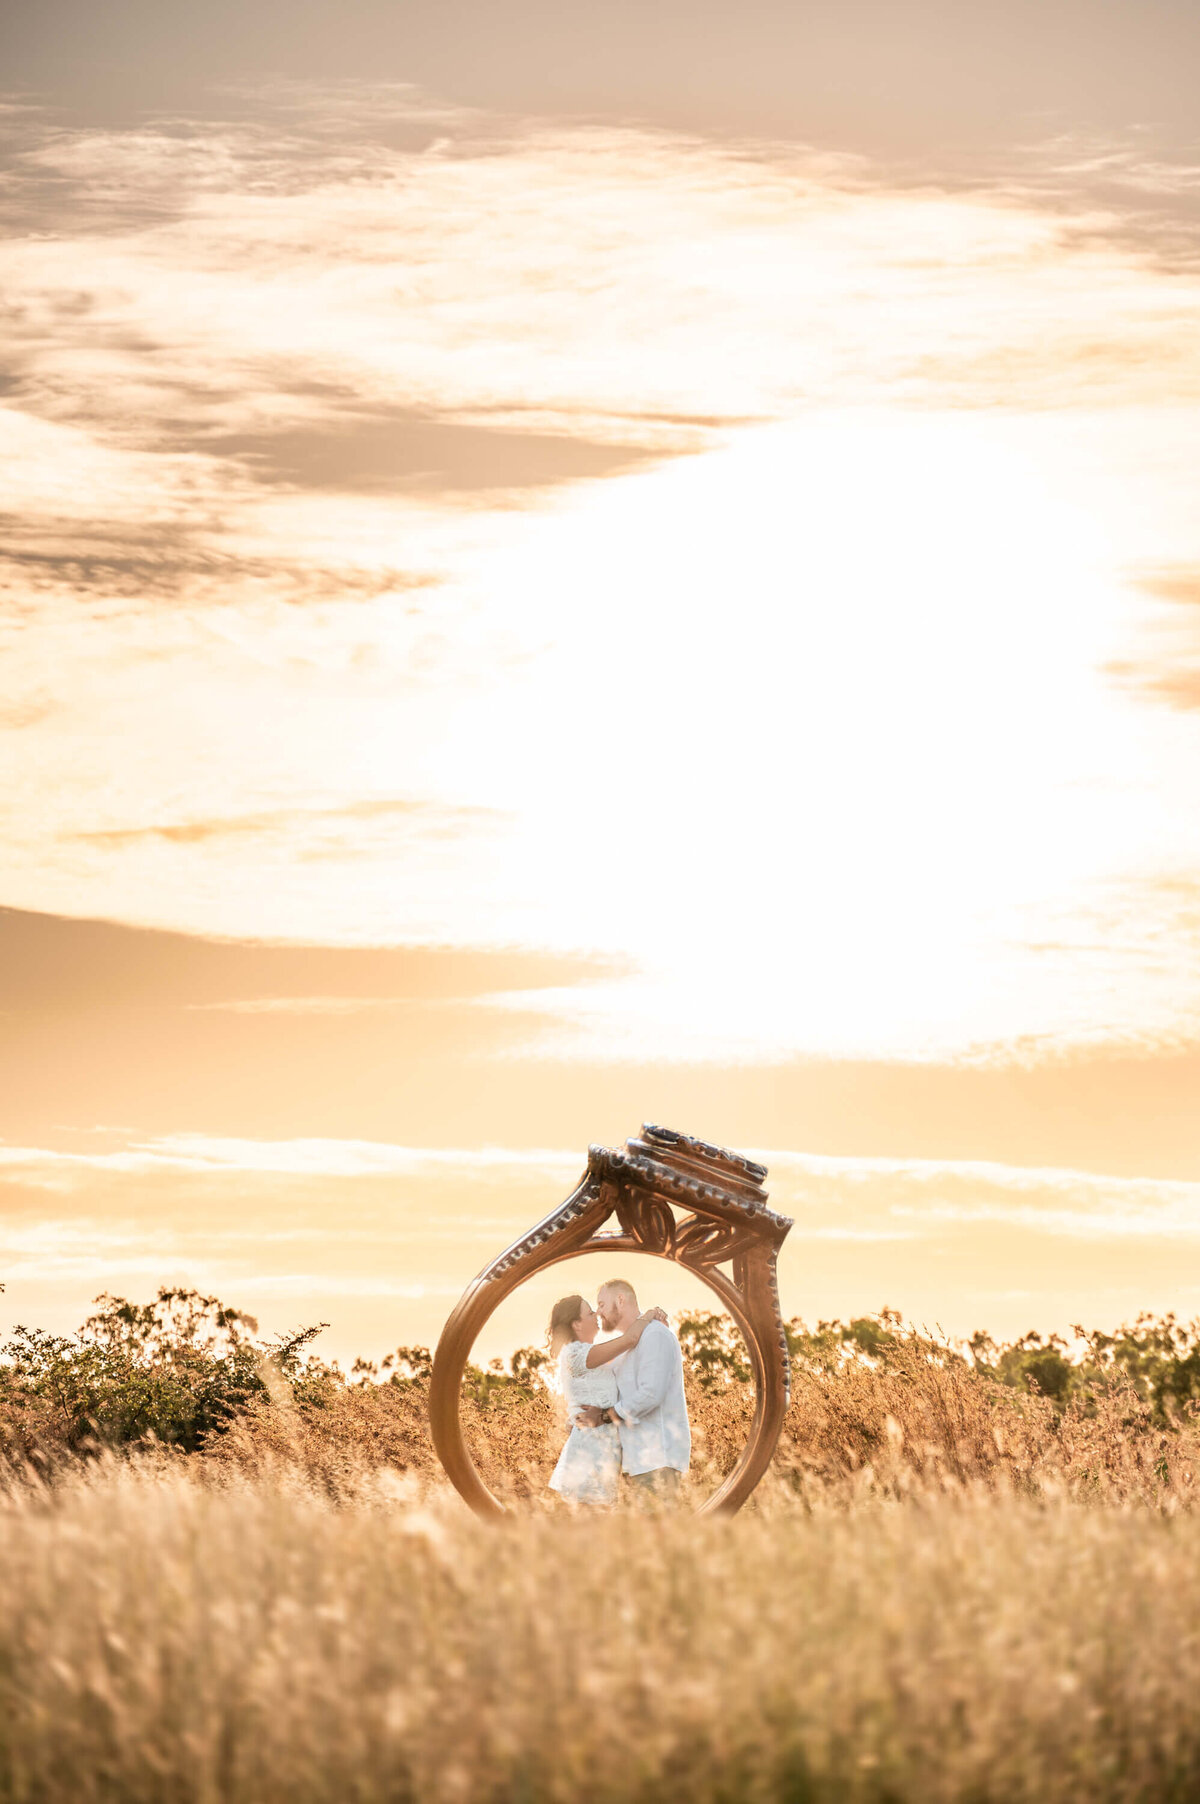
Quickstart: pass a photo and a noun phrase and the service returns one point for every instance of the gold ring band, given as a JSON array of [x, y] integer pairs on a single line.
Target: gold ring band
[[644, 1183]]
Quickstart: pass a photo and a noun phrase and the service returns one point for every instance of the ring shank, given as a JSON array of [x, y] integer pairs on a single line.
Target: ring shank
[[751, 1301]]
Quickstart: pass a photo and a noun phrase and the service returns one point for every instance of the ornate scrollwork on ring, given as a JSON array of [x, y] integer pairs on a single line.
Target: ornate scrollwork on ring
[[643, 1184], [647, 1220]]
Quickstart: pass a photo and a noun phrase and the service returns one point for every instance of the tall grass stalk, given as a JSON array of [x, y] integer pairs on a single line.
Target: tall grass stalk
[[176, 1634]]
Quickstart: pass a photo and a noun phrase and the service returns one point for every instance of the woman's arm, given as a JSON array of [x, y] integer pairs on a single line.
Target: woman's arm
[[600, 1352]]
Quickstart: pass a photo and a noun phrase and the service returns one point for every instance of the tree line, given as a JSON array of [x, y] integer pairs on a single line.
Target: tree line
[[180, 1369]]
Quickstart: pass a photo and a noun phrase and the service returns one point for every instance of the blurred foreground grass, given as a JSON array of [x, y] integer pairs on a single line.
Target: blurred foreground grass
[[181, 1634], [230, 1574]]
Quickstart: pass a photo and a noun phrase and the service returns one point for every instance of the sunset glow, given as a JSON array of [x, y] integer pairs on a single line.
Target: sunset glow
[[519, 622]]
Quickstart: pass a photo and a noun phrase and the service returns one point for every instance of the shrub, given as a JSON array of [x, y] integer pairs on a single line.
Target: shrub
[[173, 1371], [877, 1407]]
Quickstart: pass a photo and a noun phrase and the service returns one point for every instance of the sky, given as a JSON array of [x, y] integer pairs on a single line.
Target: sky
[[563, 567]]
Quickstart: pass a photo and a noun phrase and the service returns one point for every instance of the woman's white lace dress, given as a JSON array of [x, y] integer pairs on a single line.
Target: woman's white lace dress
[[590, 1464]]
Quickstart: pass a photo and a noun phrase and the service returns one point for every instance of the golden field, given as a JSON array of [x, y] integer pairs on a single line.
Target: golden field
[[250, 1641], [951, 1588]]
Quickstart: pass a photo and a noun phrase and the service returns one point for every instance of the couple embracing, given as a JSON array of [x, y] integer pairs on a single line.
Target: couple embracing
[[624, 1398]]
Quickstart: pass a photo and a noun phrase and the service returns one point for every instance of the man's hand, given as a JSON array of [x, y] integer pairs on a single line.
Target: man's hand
[[591, 1417]]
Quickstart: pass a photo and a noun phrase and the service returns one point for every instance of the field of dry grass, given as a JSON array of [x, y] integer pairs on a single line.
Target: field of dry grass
[[176, 1634], [913, 1426], [950, 1591]]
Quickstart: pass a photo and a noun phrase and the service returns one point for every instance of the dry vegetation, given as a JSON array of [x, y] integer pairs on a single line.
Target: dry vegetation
[[250, 1641], [952, 1588]]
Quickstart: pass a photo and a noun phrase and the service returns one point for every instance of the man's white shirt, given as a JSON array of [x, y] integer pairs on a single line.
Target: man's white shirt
[[653, 1414]]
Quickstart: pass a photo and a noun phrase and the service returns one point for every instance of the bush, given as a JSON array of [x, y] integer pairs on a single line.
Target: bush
[[172, 1371], [876, 1408]]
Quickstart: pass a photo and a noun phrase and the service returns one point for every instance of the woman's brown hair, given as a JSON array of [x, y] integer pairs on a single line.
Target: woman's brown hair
[[563, 1316]]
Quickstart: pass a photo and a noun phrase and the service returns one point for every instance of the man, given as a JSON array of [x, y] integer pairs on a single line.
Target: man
[[651, 1411]]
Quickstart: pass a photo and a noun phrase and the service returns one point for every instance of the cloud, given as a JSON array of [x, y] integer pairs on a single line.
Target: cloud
[[424, 816], [345, 309], [538, 475], [29, 713], [1175, 585], [92, 1254], [1170, 665], [967, 1243], [917, 1195], [297, 1005], [54, 964], [58, 559], [403, 451], [203, 1153], [885, 1198]]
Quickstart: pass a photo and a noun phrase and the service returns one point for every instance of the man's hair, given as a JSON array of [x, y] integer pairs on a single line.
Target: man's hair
[[621, 1287]]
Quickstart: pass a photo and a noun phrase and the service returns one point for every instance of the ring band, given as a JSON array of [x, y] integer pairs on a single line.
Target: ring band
[[643, 1184]]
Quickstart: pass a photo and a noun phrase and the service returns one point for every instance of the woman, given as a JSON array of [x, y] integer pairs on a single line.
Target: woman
[[590, 1464]]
